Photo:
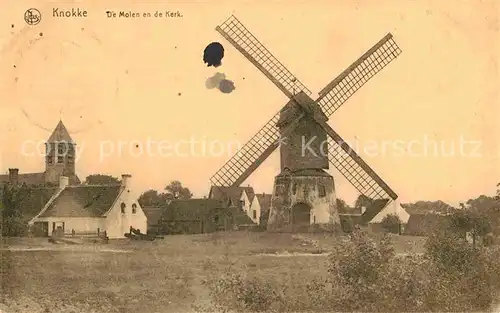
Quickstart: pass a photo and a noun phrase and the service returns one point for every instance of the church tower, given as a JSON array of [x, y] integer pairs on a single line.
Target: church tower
[[60, 156]]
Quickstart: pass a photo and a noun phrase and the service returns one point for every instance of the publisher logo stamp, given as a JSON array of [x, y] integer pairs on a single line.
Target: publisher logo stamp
[[32, 16]]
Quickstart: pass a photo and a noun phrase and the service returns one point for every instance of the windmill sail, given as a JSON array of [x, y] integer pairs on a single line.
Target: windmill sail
[[260, 146], [246, 43], [349, 81]]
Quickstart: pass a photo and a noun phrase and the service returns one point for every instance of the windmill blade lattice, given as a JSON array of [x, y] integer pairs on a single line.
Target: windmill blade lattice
[[349, 81], [360, 178], [246, 43], [251, 155]]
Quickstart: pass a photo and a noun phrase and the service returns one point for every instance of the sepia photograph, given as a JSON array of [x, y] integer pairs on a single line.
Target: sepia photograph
[[214, 156]]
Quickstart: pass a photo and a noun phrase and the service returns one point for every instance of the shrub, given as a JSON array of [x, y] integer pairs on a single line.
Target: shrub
[[365, 274], [391, 223]]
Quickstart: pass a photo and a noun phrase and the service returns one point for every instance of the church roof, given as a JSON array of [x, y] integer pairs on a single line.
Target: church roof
[[60, 134]]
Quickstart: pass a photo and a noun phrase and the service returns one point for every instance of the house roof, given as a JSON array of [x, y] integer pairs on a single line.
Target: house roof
[[423, 207], [83, 201], [423, 224], [27, 178], [191, 209], [60, 134], [233, 193], [153, 214], [264, 201], [372, 210]]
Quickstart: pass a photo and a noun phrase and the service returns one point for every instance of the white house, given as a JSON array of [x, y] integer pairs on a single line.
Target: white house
[[92, 209], [241, 197], [393, 207]]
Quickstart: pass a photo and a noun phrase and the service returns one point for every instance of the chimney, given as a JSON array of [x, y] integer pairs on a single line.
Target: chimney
[[126, 180], [63, 182], [14, 176]]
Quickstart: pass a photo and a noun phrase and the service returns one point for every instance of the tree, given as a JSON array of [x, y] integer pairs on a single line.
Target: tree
[[13, 224], [101, 179], [151, 198], [363, 201], [175, 190], [475, 222], [391, 223]]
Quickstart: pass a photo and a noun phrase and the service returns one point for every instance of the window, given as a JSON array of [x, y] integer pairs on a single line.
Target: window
[[61, 148], [294, 188], [123, 205], [60, 159], [242, 203], [216, 218], [50, 159], [71, 160], [322, 191], [134, 208], [254, 214], [314, 219]]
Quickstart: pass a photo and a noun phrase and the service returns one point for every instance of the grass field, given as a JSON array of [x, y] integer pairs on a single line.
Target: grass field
[[161, 276]]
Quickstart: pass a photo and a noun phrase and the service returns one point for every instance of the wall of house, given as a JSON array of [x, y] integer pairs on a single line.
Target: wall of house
[[118, 223], [392, 207], [255, 206], [81, 225], [291, 190], [246, 203]]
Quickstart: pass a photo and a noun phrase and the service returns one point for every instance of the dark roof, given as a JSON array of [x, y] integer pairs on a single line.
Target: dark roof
[[27, 178], [191, 209], [60, 134], [264, 201], [233, 193], [349, 210], [424, 224], [153, 214], [423, 207], [375, 208], [83, 201]]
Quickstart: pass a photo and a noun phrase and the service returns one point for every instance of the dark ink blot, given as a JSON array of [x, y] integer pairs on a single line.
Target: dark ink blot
[[213, 54], [41, 34], [226, 86], [175, 47], [179, 94], [214, 81], [137, 146], [12, 25], [14, 66], [220, 82]]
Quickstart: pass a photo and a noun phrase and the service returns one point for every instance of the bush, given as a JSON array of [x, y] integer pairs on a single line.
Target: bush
[[365, 274], [391, 223]]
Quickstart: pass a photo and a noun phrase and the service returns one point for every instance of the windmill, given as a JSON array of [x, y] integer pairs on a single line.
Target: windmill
[[304, 193]]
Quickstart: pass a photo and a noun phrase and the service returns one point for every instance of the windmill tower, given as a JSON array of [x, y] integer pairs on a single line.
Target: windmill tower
[[304, 193]]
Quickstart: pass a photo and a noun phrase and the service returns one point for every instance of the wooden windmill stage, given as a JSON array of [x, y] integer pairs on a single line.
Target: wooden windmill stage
[[304, 193]]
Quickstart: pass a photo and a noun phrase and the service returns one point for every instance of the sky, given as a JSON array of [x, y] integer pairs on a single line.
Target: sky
[[121, 85]]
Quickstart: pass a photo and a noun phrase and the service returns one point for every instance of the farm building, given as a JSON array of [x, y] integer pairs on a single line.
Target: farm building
[[195, 216], [238, 198], [263, 201], [90, 210], [423, 224], [153, 214]]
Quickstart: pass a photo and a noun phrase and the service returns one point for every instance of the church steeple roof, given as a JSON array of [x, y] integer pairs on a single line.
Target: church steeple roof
[[60, 134]]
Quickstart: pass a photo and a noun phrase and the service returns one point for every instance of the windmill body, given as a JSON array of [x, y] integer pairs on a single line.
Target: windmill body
[[304, 193]]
